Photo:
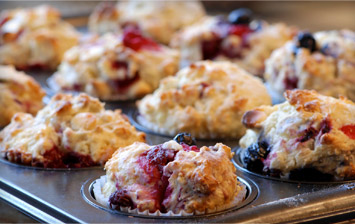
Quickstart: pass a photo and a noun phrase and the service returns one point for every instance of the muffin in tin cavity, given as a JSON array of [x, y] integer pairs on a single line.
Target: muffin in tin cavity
[[70, 132], [156, 19], [34, 38], [323, 61], [19, 92], [175, 177], [240, 39], [206, 99], [309, 137], [115, 67]]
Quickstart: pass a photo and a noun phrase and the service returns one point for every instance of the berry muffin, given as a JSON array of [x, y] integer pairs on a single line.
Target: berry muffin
[[309, 137], [239, 39], [170, 178], [18, 93], [156, 19], [116, 67], [206, 99], [34, 38], [324, 62], [68, 132]]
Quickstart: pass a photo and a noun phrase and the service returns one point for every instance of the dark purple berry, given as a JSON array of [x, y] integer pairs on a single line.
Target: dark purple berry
[[120, 198], [185, 138], [240, 16], [255, 155], [306, 40]]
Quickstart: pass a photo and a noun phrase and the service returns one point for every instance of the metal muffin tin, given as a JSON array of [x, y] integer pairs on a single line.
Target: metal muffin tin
[[88, 194], [55, 196]]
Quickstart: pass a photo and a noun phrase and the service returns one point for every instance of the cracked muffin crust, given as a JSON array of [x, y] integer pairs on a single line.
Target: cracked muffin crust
[[69, 132], [156, 19], [116, 67], [171, 177], [18, 93], [308, 137], [328, 67], [206, 99], [215, 38], [34, 37]]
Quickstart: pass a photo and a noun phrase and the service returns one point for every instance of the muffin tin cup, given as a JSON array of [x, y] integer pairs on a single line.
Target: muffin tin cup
[[252, 192], [238, 163]]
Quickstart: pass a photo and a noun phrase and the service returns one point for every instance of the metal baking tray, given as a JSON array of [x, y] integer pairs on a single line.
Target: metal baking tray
[[64, 195]]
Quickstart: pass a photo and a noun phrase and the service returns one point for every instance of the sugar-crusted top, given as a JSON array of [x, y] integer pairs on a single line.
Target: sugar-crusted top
[[249, 49], [157, 19], [68, 125], [34, 37], [109, 68], [192, 181], [18, 93], [206, 99], [308, 130], [329, 69]]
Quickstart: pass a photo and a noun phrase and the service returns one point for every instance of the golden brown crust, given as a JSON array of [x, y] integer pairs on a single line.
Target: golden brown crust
[[75, 126], [18, 93], [206, 99], [309, 130], [329, 69], [34, 37]]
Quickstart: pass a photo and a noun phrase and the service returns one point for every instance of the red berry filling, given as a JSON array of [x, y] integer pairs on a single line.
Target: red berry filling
[[121, 85], [291, 82], [120, 198], [349, 130], [213, 47], [132, 38], [152, 162], [189, 148], [311, 132], [239, 30], [54, 158]]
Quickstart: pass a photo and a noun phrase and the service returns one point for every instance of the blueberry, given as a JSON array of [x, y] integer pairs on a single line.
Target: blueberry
[[306, 40], [254, 156], [185, 138], [240, 16]]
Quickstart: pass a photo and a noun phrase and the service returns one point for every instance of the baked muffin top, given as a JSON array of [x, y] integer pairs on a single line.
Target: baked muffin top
[[71, 131], [116, 67], [206, 99], [18, 93], [247, 44], [171, 177], [326, 64], [34, 37], [157, 19], [309, 132]]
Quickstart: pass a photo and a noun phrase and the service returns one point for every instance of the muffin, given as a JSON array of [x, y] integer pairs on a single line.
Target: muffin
[[308, 137], [206, 99], [34, 38], [324, 62], [69, 132], [170, 178], [156, 19], [116, 67], [18, 93], [239, 39]]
